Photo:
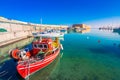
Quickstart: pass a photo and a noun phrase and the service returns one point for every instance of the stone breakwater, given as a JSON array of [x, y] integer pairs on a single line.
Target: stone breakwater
[[17, 30]]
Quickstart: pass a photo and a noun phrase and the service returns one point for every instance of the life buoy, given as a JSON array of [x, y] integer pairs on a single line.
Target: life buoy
[[14, 54]]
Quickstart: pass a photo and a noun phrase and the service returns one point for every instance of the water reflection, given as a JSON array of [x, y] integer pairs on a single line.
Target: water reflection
[[8, 70], [82, 31], [79, 30]]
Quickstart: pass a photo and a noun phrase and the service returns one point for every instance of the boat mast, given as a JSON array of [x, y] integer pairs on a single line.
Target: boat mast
[[40, 24], [40, 27]]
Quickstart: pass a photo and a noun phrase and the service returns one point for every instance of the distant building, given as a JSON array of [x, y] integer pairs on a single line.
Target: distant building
[[82, 28], [77, 26]]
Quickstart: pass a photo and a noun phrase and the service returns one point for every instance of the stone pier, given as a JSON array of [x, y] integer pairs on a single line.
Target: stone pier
[[17, 30]]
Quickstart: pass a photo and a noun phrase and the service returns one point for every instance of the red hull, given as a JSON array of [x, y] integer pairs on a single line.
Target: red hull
[[27, 69]]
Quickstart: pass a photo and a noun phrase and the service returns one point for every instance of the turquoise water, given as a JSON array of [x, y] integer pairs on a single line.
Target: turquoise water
[[88, 56]]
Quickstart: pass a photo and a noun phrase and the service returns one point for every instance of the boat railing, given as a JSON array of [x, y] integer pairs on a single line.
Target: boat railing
[[30, 61]]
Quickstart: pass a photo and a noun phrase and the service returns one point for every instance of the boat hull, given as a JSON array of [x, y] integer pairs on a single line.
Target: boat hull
[[27, 68]]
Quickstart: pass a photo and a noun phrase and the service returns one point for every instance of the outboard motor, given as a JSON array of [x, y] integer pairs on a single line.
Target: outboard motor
[[23, 55]]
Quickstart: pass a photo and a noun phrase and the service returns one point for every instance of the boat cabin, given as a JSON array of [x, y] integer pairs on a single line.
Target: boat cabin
[[43, 44]]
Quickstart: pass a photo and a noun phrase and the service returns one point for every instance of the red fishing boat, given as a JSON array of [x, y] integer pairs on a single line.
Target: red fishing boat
[[43, 53]]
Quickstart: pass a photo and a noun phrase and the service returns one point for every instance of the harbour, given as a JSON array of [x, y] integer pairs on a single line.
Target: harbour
[[59, 40], [95, 57], [13, 33]]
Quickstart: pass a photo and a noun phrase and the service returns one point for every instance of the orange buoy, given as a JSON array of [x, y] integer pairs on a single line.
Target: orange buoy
[[14, 54], [99, 41]]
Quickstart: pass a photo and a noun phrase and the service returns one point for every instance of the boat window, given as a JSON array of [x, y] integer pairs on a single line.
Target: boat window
[[35, 46], [40, 46], [45, 46]]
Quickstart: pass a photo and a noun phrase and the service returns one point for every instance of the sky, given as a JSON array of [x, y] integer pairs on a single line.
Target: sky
[[59, 11]]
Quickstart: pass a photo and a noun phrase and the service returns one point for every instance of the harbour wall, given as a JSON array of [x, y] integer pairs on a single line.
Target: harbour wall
[[4, 50], [17, 29]]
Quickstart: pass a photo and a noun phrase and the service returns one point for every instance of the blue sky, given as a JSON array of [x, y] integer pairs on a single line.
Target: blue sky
[[59, 11]]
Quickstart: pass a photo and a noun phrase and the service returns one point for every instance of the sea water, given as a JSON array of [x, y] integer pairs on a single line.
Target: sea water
[[86, 56]]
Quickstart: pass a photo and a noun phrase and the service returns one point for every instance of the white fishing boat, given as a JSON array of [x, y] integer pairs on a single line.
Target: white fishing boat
[[48, 34]]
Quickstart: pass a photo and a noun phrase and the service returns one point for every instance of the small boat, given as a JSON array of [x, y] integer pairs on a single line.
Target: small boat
[[45, 50], [116, 30], [49, 33]]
